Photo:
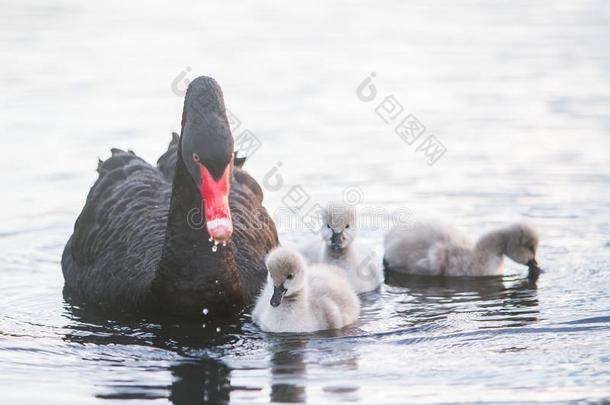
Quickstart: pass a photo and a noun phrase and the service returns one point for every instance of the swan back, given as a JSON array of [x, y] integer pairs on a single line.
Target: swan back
[[332, 299], [437, 250], [423, 248]]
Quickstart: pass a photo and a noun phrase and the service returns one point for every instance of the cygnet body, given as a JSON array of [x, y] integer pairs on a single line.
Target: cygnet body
[[437, 250], [298, 298], [339, 248]]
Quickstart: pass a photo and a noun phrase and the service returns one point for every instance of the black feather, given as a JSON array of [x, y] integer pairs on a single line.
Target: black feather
[[114, 256], [134, 249], [167, 162]]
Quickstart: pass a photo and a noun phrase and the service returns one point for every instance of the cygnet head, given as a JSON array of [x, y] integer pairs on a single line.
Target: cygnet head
[[339, 225], [287, 271], [521, 244]]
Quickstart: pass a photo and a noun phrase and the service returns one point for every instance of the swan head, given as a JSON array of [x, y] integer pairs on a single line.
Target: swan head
[[522, 244], [206, 148], [339, 226], [286, 272]]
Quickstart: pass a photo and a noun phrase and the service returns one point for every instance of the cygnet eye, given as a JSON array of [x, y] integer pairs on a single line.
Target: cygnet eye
[[290, 276], [328, 226], [195, 157], [346, 226]]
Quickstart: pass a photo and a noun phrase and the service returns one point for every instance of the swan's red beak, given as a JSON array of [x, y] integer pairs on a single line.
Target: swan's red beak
[[215, 194]]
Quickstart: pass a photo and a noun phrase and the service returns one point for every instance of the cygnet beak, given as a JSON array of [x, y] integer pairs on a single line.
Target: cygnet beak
[[533, 269], [335, 241], [278, 294]]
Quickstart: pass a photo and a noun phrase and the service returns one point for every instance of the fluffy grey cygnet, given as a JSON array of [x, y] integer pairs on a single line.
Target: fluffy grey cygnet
[[437, 250], [339, 248], [298, 298]]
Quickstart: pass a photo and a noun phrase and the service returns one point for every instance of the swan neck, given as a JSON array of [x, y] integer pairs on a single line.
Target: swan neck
[[489, 249], [298, 298], [191, 275]]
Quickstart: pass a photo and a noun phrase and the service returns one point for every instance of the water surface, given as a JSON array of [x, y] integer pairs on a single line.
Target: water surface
[[517, 92]]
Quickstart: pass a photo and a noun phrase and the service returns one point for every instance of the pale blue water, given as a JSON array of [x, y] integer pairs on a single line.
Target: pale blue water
[[518, 92]]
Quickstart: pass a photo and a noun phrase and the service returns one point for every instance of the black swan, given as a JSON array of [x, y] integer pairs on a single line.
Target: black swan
[[143, 243]]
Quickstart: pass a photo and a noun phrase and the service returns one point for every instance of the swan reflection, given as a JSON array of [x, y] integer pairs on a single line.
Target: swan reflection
[[494, 302]]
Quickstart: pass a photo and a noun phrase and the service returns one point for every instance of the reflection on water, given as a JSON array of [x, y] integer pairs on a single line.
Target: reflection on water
[[288, 371], [195, 379], [204, 381], [92, 326], [201, 381], [498, 301], [516, 91], [199, 375]]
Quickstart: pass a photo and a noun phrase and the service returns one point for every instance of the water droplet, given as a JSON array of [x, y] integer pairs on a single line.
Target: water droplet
[[214, 248], [216, 281], [205, 311], [203, 326], [217, 329], [210, 239], [224, 243]]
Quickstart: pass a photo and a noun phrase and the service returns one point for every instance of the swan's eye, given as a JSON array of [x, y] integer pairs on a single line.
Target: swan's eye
[[195, 157], [346, 226], [328, 226], [290, 276]]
